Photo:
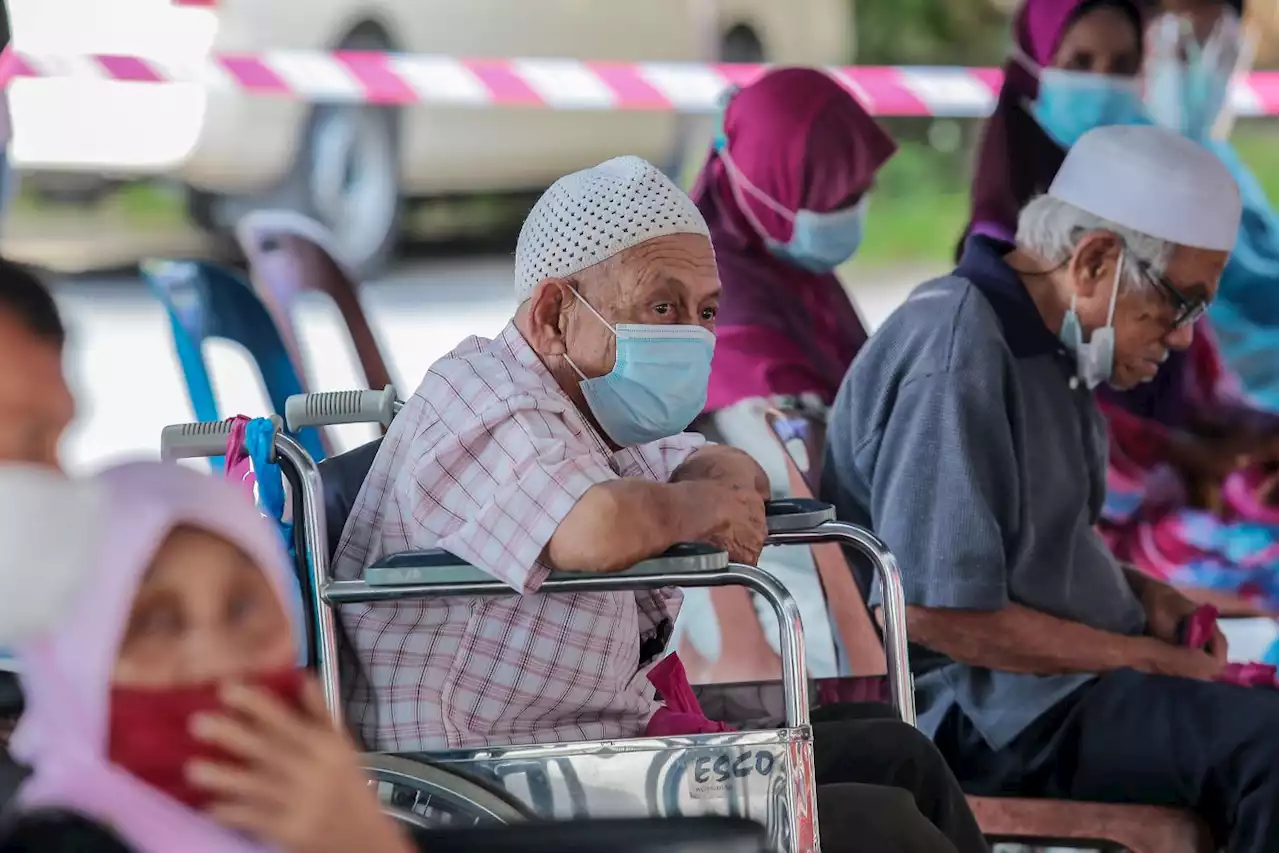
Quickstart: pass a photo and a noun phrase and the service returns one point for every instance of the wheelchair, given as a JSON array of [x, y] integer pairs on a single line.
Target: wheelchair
[[765, 776]]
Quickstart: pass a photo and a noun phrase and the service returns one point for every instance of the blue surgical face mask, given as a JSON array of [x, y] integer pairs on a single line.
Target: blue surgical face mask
[[819, 242], [1071, 103], [1096, 357], [658, 384]]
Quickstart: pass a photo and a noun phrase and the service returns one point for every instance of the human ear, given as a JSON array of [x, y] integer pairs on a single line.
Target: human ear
[[1093, 263], [548, 306]]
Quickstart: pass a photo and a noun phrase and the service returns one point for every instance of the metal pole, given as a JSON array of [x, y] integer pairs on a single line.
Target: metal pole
[[308, 510], [897, 662]]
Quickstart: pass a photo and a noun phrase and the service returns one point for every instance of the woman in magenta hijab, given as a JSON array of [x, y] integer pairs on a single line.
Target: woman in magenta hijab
[[1073, 67], [784, 192]]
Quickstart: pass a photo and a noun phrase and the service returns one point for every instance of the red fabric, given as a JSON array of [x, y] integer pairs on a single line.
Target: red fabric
[[237, 467], [150, 733], [680, 713], [1199, 628]]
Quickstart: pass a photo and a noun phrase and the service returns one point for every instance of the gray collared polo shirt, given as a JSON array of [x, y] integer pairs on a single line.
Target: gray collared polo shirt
[[958, 437]]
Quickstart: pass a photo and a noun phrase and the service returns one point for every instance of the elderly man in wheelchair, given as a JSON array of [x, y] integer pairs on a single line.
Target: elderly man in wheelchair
[[558, 447]]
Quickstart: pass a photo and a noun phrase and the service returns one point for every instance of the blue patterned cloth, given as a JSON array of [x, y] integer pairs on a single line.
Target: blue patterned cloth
[[1247, 311]]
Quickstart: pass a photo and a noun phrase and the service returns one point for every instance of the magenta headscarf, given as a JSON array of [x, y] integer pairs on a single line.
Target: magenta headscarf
[[800, 137], [1017, 159], [66, 673]]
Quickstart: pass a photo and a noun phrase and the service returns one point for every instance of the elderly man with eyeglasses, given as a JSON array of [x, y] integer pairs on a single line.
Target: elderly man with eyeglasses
[[967, 435]]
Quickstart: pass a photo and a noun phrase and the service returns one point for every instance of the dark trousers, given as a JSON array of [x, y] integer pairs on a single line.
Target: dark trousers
[[903, 797], [1135, 738]]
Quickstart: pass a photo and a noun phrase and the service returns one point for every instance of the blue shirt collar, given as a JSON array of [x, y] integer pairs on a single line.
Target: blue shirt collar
[[982, 263]]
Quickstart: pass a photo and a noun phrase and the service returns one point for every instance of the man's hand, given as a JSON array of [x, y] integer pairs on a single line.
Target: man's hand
[[1167, 610], [739, 524], [732, 490], [723, 463], [1180, 661]]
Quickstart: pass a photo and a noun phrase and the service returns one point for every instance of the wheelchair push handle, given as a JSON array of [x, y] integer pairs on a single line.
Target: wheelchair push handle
[[329, 408], [197, 440]]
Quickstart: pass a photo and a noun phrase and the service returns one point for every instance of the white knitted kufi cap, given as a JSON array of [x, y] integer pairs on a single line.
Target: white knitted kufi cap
[[592, 215]]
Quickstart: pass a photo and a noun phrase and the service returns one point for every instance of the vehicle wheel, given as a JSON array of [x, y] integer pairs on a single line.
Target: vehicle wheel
[[347, 173], [429, 796], [741, 44]]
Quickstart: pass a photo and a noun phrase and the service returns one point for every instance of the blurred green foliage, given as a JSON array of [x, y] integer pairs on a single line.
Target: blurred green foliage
[[929, 32]]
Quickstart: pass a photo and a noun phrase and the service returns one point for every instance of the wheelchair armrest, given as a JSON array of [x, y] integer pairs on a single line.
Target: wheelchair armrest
[[789, 514], [436, 566]]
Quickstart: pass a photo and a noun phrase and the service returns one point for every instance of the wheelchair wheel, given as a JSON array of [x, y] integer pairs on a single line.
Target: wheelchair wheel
[[429, 797]]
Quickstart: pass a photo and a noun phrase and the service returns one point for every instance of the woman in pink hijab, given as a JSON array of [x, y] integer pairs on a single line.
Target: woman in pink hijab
[[165, 712], [784, 192]]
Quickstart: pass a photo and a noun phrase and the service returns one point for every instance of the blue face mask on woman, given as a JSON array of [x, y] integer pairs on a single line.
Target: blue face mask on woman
[[1071, 103], [658, 384], [819, 242]]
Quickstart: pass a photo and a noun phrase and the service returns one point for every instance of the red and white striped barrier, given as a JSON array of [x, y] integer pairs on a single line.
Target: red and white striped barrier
[[558, 84]]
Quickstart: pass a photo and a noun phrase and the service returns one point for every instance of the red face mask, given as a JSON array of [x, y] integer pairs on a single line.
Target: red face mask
[[149, 731]]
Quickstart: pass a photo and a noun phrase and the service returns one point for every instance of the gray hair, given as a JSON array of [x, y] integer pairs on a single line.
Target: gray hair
[[1051, 228]]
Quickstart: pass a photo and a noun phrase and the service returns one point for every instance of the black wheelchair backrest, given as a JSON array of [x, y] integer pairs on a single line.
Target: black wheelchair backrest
[[342, 476]]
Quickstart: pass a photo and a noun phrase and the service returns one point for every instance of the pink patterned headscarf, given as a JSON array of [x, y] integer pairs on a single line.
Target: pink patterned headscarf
[[66, 672]]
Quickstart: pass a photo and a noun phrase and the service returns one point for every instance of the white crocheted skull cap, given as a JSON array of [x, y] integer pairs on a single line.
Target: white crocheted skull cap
[[590, 216]]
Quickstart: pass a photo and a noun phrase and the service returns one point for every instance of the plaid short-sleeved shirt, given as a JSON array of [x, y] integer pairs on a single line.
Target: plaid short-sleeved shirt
[[485, 461]]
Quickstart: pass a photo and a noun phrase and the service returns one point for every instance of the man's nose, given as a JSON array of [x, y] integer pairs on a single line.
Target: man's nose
[[1181, 337]]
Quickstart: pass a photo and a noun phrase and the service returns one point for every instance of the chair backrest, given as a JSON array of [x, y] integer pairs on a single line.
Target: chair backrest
[[290, 254], [802, 436], [206, 301], [745, 653], [342, 476]]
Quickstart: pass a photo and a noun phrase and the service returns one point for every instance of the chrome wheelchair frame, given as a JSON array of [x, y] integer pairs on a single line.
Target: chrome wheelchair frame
[[764, 775]]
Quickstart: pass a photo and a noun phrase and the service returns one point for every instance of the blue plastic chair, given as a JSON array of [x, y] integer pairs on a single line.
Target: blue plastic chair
[[205, 301]]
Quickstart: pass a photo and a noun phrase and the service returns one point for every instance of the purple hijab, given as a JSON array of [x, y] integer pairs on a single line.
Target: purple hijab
[[802, 139]]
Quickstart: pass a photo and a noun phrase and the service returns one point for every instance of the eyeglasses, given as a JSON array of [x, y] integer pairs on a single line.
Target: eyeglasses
[[1185, 311]]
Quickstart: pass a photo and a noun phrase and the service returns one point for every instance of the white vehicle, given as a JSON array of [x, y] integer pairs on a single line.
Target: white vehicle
[[351, 166]]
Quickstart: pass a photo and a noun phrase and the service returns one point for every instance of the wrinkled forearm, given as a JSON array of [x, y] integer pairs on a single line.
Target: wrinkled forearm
[[619, 523], [724, 463], [1019, 639]]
